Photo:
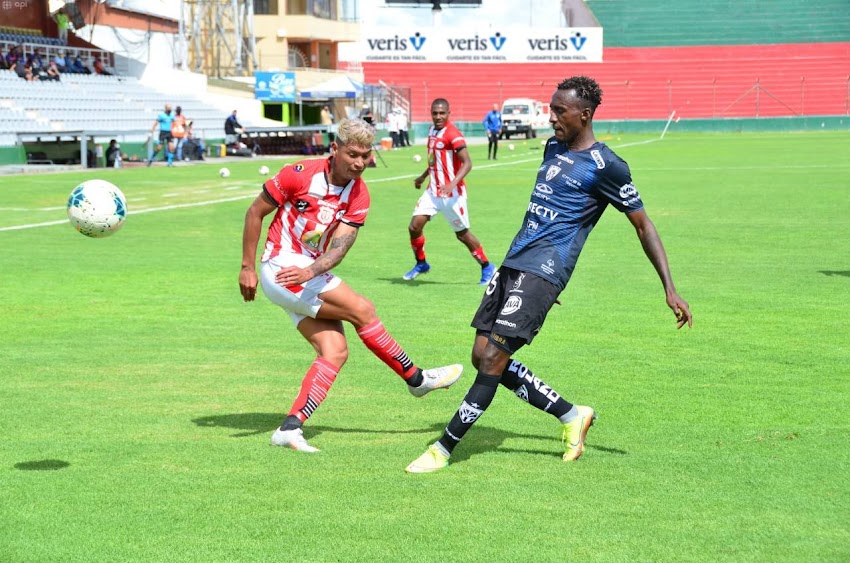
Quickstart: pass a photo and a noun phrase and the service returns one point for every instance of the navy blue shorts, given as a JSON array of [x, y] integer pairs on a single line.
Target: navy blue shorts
[[514, 307]]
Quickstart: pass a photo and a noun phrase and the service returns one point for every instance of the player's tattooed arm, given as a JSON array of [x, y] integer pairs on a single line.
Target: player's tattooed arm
[[343, 241]]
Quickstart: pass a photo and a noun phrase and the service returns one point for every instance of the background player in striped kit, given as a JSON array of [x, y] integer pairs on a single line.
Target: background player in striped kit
[[448, 165], [320, 204], [578, 179]]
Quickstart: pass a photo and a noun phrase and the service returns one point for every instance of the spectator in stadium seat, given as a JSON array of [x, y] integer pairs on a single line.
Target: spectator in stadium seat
[[232, 130], [178, 132], [23, 70], [493, 126], [78, 67], [579, 177], [52, 72], [36, 62], [328, 196], [99, 67], [61, 61], [194, 145]]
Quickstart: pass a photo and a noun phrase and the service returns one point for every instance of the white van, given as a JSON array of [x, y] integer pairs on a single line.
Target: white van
[[523, 116]]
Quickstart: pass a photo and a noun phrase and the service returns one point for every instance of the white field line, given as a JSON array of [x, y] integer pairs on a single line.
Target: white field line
[[397, 178]]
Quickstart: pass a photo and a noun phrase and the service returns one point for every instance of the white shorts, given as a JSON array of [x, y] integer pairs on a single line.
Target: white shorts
[[299, 301], [453, 209]]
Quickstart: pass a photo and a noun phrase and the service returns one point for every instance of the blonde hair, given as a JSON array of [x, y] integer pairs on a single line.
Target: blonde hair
[[355, 132]]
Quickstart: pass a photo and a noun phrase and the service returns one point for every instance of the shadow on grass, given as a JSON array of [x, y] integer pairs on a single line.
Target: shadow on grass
[[481, 439], [420, 281], [42, 465], [253, 423], [845, 273]]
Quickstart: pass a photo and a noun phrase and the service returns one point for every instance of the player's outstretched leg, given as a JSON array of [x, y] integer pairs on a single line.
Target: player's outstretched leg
[[576, 419], [575, 432], [436, 378]]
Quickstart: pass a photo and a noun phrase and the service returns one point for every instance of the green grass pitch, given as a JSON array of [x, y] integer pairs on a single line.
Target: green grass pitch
[[138, 392]]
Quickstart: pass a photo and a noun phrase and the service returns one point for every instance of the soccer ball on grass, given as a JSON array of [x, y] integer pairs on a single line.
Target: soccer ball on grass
[[224, 173], [97, 208], [416, 158], [264, 170]]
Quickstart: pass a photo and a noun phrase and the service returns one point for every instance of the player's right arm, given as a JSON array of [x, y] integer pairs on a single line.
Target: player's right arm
[[248, 281]]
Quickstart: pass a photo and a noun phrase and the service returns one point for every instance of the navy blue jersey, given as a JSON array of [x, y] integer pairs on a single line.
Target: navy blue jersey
[[573, 188]]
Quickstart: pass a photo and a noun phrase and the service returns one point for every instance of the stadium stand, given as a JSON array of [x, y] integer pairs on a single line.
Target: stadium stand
[[92, 102]]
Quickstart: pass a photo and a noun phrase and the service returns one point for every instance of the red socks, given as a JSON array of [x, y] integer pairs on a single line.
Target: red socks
[[418, 245], [314, 388], [479, 256], [376, 338]]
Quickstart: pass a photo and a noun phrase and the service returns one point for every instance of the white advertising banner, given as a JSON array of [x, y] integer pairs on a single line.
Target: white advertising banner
[[509, 45]]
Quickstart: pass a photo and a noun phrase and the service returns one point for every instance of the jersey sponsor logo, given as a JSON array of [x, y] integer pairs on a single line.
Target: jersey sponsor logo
[[628, 191], [543, 189], [312, 238], [552, 172], [469, 413], [548, 267], [440, 145], [517, 284], [512, 305], [298, 167], [597, 158], [503, 322], [566, 159], [302, 205], [542, 211]]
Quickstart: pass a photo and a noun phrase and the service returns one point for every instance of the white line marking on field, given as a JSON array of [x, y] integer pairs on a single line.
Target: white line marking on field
[[136, 212]]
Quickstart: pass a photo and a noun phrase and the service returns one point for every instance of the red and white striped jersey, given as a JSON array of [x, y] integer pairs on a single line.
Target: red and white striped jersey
[[310, 209], [443, 161]]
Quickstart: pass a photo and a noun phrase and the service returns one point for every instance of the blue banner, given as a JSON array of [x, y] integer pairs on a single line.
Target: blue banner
[[274, 86]]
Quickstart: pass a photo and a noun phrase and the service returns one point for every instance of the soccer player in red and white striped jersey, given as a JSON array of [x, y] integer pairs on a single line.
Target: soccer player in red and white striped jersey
[[448, 165], [319, 206]]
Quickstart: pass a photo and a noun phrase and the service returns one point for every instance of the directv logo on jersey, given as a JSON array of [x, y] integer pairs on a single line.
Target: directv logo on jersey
[[552, 172]]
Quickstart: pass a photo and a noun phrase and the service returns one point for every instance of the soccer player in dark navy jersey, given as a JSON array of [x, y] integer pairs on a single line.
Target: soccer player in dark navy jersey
[[578, 179]]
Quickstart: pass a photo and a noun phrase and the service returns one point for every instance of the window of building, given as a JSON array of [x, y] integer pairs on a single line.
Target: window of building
[[265, 7]]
